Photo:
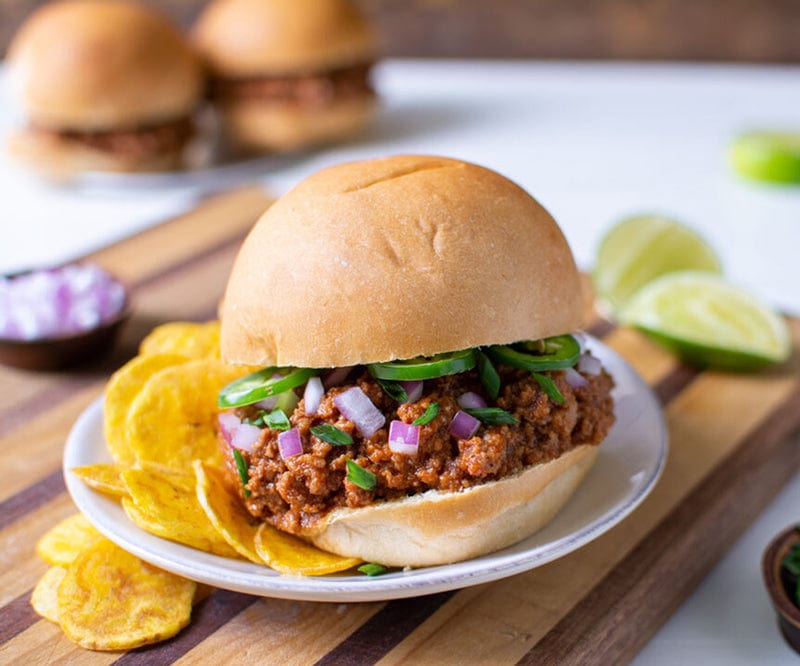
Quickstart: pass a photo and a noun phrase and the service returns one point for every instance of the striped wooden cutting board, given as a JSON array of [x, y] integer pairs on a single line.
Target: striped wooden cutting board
[[735, 441]]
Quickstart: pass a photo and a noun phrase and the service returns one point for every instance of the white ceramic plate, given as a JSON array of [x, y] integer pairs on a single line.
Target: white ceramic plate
[[630, 462]]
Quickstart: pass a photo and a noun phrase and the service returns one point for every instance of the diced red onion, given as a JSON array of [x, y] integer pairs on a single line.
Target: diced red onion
[[313, 395], [404, 437], [289, 443], [336, 376], [580, 336], [267, 403], [590, 365], [471, 400], [228, 423], [245, 436], [358, 408], [463, 425], [58, 302], [413, 389], [574, 378]]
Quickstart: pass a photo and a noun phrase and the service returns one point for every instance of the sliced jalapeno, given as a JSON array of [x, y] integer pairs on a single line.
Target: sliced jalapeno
[[262, 384], [561, 351], [424, 367]]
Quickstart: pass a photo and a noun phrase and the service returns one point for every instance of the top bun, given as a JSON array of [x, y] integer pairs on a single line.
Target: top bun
[[243, 38], [395, 258], [95, 65]]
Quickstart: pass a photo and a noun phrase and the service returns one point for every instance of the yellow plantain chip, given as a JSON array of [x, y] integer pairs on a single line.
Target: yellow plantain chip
[[103, 478], [292, 556], [187, 338], [173, 419], [225, 511], [121, 389], [64, 542], [112, 600], [167, 506], [45, 595]]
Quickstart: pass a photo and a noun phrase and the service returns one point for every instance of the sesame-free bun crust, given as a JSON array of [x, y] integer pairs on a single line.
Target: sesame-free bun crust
[[256, 125], [95, 65], [244, 38], [62, 158], [395, 258], [435, 527]]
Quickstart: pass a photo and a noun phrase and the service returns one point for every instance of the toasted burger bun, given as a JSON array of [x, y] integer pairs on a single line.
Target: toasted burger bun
[[438, 528], [282, 127], [395, 258], [100, 65], [248, 38]]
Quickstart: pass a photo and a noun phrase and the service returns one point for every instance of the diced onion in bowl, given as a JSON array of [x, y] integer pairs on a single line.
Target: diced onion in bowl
[[313, 395], [464, 426], [404, 437], [471, 400], [358, 408], [574, 378], [58, 302], [289, 443]]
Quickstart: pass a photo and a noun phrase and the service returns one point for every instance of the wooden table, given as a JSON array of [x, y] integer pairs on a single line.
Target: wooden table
[[735, 440]]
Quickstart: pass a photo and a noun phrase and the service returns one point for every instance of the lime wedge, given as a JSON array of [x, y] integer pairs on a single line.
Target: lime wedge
[[709, 322], [639, 249], [770, 156]]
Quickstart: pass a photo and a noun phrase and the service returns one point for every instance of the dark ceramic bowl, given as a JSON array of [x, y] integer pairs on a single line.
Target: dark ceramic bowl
[[64, 351], [788, 613]]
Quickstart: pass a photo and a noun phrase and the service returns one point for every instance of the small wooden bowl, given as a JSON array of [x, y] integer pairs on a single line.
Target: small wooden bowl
[[64, 351], [788, 612]]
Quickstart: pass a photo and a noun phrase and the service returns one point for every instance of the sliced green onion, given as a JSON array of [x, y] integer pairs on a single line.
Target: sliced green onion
[[561, 351], [423, 367], [241, 465], [372, 569], [331, 434], [394, 390], [258, 421], [492, 416], [549, 387], [360, 477], [428, 415], [277, 420], [490, 379], [262, 384]]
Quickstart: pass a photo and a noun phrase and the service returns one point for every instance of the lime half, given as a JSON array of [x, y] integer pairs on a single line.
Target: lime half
[[769, 156], [709, 322], [639, 249]]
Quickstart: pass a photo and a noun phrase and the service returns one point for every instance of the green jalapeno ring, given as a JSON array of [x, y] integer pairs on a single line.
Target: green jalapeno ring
[[561, 351], [425, 368], [262, 384]]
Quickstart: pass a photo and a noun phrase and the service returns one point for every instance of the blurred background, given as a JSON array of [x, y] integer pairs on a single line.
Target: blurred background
[[708, 30]]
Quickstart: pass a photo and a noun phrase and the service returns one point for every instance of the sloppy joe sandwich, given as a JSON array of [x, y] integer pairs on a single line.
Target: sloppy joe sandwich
[[422, 399], [105, 85], [287, 73]]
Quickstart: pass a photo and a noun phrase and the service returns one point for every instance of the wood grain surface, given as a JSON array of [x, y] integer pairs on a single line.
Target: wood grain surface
[[743, 30], [734, 442]]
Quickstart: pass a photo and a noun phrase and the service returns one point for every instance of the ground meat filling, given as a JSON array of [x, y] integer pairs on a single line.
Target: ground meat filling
[[139, 142], [313, 89], [294, 493]]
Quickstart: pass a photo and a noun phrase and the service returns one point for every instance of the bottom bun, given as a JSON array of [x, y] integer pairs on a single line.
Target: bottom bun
[[439, 528], [255, 125], [60, 157]]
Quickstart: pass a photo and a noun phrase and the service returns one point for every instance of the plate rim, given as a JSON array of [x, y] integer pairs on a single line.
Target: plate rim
[[250, 578]]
